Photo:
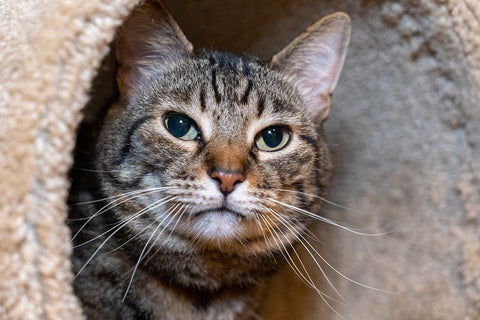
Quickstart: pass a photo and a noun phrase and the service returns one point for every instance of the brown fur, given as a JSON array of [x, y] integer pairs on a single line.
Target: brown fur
[[201, 253]]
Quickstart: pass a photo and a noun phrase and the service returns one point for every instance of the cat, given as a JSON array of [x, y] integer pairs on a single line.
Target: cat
[[207, 170]]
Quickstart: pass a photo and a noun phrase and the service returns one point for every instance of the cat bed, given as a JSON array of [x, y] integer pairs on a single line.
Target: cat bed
[[49, 53], [411, 82]]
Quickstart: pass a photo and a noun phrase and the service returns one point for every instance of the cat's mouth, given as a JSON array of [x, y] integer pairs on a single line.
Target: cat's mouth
[[220, 210]]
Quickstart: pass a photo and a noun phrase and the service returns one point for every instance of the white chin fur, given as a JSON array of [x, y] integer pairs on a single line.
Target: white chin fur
[[217, 226], [208, 222]]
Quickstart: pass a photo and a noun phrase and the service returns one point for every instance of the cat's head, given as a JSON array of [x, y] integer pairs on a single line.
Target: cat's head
[[214, 150]]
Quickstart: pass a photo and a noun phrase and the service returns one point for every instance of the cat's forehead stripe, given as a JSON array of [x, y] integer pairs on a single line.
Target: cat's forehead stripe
[[218, 97], [203, 105], [246, 94], [230, 77], [260, 106]]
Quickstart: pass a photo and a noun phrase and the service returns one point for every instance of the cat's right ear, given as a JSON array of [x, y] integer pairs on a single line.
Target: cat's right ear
[[314, 60], [148, 43]]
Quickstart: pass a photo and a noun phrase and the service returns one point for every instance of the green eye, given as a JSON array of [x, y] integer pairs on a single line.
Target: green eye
[[181, 126], [273, 138]]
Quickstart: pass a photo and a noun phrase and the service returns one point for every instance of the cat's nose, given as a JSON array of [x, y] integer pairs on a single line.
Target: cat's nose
[[228, 179]]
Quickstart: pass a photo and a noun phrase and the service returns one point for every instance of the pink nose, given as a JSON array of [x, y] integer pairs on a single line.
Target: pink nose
[[227, 179]]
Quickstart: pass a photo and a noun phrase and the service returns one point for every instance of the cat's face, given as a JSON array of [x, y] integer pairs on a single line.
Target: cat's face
[[227, 139], [215, 151]]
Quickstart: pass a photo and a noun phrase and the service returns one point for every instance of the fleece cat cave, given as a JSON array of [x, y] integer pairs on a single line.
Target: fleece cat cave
[[404, 132]]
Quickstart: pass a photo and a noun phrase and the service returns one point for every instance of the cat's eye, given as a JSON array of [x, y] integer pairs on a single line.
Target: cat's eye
[[272, 138], [181, 126]]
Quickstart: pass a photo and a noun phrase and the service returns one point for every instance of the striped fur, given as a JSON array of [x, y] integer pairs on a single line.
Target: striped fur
[[187, 250]]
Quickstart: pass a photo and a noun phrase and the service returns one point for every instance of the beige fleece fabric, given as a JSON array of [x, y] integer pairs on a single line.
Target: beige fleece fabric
[[49, 52], [404, 131]]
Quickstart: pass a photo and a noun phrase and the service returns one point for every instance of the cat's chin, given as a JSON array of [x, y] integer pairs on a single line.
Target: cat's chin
[[221, 224], [220, 211]]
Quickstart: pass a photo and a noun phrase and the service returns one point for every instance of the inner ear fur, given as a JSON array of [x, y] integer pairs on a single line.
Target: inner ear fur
[[314, 60], [149, 41]]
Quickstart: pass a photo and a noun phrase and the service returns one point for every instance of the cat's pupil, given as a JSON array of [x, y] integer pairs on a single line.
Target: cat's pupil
[[273, 136], [178, 124]]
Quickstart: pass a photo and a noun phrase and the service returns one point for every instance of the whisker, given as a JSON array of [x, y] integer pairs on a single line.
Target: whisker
[[313, 236], [131, 238], [139, 260], [141, 212], [305, 275], [323, 219], [112, 204], [310, 283], [335, 204], [256, 218], [317, 197], [305, 242], [286, 255], [119, 195], [301, 239], [341, 274], [182, 211], [141, 232], [284, 252], [134, 216], [118, 201]]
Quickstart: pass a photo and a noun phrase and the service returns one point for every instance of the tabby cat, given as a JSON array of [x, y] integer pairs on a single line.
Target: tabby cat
[[208, 170]]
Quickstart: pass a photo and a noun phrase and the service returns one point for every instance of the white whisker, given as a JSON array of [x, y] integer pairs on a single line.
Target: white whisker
[[304, 276], [118, 201], [339, 273], [288, 258], [310, 283], [256, 218], [284, 252], [141, 212], [139, 260], [332, 203], [182, 210], [317, 197], [301, 239], [118, 195], [132, 217], [131, 239], [323, 219]]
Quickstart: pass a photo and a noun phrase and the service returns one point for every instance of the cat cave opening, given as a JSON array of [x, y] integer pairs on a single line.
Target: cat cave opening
[[406, 59], [103, 93]]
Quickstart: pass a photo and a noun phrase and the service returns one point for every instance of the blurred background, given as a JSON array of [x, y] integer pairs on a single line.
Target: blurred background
[[404, 132]]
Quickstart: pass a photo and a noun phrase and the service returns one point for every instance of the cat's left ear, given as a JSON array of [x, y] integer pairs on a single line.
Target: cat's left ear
[[149, 42], [314, 60]]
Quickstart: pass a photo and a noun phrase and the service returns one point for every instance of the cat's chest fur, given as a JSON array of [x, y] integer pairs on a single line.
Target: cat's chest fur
[[153, 297], [207, 172]]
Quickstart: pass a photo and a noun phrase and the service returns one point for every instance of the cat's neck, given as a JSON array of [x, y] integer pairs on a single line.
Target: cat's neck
[[172, 302], [199, 269]]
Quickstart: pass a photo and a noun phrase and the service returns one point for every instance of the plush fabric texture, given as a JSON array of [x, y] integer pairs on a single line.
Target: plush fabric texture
[[49, 53], [404, 131]]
